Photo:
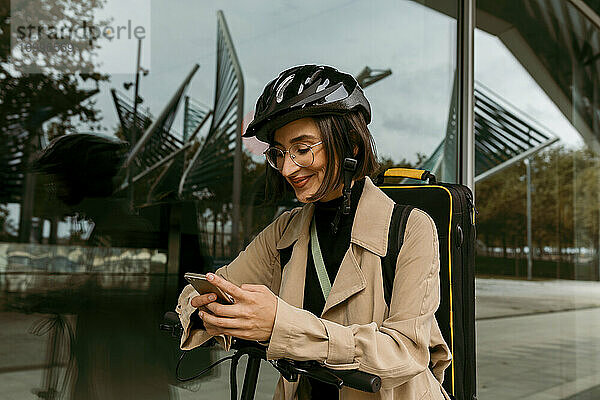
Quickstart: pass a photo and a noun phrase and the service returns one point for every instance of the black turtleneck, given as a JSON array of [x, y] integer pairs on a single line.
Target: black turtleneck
[[333, 248]]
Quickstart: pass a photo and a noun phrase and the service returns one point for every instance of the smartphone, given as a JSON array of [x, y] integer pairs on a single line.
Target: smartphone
[[202, 286]]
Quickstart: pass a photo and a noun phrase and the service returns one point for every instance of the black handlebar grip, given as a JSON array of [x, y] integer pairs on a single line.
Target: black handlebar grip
[[359, 380]]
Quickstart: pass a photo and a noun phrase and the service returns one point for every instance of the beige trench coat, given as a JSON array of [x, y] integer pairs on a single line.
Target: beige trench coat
[[356, 329]]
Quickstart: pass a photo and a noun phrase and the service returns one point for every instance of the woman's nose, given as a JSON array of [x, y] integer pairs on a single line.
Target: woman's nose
[[289, 166]]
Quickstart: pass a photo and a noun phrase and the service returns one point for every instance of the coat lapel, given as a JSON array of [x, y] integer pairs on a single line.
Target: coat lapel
[[294, 272], [372, 220], [369, 231], [349, 280]]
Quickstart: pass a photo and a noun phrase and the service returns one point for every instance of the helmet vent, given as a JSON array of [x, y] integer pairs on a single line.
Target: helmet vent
[[323, 85], [282, 87], [339, 94], [311, 78]]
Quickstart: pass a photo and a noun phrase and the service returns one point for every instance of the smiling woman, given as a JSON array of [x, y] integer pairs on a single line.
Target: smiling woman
[[326, 303], [307, 167], [337, 135]]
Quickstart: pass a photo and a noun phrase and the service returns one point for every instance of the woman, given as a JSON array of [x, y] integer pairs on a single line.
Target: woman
[[315, 120]]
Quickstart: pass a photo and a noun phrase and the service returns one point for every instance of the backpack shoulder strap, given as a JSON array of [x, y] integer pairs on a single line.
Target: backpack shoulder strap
[[395, 240]]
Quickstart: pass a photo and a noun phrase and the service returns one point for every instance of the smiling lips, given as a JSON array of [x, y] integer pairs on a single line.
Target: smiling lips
[[299, 182]]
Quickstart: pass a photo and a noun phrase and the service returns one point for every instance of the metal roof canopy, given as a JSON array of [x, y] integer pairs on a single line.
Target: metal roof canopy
[[503, 136], [195, 117], [157, 141], [556, 42], [369, 76], [214, 159], [219, 158], [159, 144], [124, 106], [195, 114]]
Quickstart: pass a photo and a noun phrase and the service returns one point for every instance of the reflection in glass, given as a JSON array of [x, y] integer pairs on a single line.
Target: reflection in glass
[[81, 303], [539, 217]]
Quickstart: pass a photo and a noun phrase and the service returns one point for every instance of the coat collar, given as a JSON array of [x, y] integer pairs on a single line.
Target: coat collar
[[372, 219], [299, 224], [369, 228]]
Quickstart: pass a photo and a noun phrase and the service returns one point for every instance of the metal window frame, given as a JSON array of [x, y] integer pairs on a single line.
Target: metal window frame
[[465, 76]]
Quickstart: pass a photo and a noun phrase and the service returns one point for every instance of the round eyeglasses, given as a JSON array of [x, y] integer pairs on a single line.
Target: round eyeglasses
[[301, 154]]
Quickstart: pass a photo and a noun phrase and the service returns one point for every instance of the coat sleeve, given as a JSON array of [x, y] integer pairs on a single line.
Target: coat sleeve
[[398, 350], [257, 264]]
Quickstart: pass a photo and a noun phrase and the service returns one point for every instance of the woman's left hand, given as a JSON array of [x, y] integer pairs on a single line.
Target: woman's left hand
[[251, 317]]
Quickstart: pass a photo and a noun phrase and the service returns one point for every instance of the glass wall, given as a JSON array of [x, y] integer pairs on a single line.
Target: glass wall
[[538, 270], [88, 265]]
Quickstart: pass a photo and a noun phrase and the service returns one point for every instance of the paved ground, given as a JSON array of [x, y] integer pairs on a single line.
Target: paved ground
[[538, 357], [535, 341], [496, 298]]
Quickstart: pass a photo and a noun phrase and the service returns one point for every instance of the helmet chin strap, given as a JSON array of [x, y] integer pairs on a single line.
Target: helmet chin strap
[[348, 170]]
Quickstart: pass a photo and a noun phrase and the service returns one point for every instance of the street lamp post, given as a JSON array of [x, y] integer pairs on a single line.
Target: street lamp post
[[529, 239]]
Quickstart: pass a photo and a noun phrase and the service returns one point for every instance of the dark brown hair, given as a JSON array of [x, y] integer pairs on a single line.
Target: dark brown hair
[[342, 135]]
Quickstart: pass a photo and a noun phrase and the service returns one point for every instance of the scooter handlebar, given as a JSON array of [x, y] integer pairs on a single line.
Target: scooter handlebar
[[355, 379]]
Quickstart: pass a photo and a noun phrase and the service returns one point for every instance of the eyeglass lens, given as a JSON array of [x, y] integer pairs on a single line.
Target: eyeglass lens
[[300, 153]]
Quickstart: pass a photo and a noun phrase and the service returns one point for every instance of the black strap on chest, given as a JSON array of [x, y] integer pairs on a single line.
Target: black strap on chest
[[395, 241], [388, 263]]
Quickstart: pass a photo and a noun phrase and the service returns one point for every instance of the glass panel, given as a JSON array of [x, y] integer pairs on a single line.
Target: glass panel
[[538, 295], [84, 292]]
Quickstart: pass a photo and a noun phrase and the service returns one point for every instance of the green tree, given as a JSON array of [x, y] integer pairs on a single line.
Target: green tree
[[22, 93], [501, 203], [27, 99], [565, 204]]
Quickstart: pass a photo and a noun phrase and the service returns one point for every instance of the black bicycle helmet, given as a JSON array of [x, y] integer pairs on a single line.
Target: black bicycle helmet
[[306, 91], [83, 163]]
